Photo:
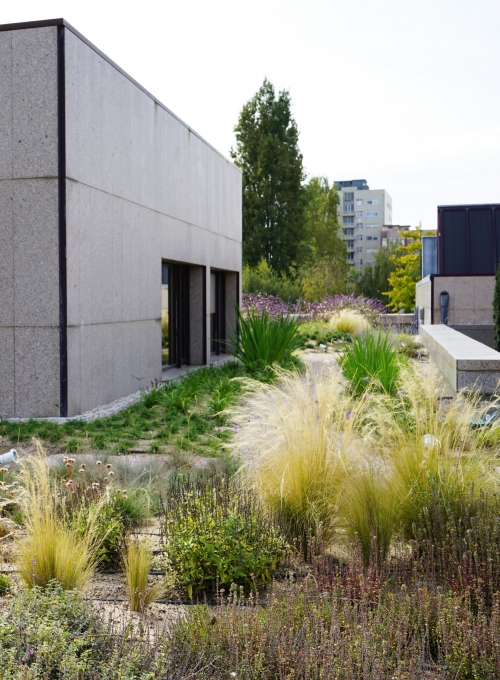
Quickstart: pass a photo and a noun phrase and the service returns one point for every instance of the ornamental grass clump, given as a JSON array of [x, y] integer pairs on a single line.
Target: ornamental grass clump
[[53, 548], [434, 456], [371, 363], [137, 558], [301, 446], [264, 340], [349, 321]]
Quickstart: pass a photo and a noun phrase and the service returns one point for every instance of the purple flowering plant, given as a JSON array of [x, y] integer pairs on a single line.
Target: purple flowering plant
[[305, 311]]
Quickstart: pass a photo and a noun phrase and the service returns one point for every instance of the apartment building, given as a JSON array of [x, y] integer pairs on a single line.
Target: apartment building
[[362, 214]]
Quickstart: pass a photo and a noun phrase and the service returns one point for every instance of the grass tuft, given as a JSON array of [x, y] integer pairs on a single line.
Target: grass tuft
[[136, 564]]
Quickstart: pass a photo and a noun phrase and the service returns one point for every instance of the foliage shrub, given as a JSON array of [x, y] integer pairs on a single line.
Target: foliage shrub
[[349, 321], [264, 340], [215, 533], [4, 584], [318, 332], [345, 624], [52, 633], [263, 279], [371, 362]]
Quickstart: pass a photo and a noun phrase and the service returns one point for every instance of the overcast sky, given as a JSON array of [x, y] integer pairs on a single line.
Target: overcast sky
[[401, 93]]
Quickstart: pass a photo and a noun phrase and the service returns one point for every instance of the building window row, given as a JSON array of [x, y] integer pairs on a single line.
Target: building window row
[[349, 207], [359, 261], [372, 214], [348, 196], [359, 237], [348, 220], [374, 201], [359, 249]]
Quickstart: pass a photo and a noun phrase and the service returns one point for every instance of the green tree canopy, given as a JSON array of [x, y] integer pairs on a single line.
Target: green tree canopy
[[322, 255], [373, 280], [407, 272], [268, 153]]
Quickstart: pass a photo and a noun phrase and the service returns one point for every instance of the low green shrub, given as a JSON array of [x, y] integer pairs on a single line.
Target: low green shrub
[[215, 533], [318, 332], [4, 584], [371, 362], [263, 340], [52, 633]]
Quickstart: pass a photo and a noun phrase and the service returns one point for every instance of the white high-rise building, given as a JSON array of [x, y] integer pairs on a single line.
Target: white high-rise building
[[362, 213]]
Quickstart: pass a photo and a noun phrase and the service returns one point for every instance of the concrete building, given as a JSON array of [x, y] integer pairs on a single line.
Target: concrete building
[[362, 214], [390, 235], [114, 215], [468, 257]]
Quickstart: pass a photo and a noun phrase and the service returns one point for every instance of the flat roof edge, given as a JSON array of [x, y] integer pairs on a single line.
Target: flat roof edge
[[62, 22], [470, 205]]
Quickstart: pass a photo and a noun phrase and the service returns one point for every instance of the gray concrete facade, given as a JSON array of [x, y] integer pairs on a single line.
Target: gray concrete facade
[[99, 183], [471, 299]]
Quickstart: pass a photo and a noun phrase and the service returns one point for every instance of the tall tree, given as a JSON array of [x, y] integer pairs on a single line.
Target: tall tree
[[372, 281], [322, 255], [268, 153]]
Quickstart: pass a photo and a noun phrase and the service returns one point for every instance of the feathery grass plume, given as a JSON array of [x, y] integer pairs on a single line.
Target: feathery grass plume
[[349, 321], [303, 445], [367, 508], [432, 455], [136, 564], [370, 362], [52, 550]]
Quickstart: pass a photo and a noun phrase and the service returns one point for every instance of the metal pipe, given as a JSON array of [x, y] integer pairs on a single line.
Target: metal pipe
[[9, 457]]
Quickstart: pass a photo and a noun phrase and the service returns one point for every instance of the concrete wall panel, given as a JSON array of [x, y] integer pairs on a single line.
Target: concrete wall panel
[[36, 252], [37, 373], [6, 254], [6, 169], [7, 373], [34, 102]]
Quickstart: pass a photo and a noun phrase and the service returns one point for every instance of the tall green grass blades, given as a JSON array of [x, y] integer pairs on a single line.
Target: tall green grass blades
[[371, 361], [263, 340], [52, 549], [367, 508], [136, 564]]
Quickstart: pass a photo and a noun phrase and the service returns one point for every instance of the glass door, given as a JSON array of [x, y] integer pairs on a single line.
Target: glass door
[[175, 315]]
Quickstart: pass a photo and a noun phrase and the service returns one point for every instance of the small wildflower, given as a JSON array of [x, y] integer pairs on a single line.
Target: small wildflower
[[69, 483], [348, 414]]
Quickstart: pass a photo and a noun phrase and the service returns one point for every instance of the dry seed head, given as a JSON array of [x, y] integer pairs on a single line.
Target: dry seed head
[[4, 470], [82, 466], [111, 474], [98, 462], [106, 479], [108, 466]]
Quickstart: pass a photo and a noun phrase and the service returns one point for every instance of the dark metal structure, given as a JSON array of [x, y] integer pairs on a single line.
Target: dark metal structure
[[468, 239]]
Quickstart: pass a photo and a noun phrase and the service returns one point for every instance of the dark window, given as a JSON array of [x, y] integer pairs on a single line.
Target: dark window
[[454, 242], [175, 314], [482, 254], [217, 312]]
